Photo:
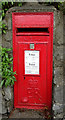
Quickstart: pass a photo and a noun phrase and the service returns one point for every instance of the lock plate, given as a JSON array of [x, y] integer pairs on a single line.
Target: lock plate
[[32, 46]]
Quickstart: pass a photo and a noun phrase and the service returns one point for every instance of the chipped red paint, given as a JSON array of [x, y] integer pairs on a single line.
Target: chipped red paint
[[33, 91]]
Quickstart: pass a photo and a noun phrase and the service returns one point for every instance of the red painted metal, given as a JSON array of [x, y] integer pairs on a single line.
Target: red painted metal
[[33, 91]]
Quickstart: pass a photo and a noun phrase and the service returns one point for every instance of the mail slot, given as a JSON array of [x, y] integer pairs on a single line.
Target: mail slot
[[32, 59]]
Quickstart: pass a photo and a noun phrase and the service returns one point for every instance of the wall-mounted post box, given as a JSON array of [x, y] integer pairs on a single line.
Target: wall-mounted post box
[[32, 59]]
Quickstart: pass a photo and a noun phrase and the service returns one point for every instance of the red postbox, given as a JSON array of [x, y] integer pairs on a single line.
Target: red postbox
[[32, 59]]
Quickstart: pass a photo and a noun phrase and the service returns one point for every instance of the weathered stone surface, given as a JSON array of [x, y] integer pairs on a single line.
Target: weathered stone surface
[[4, 116], [4, 22], [58, 71], [31, 7], [58, 25], [0, 100], [6, 44], [64, 96], [9, 24], [8, 36], [0, 94], [0, 107], [58, 116], [58, 63], [59, 80], [58, 94], [64, 19], [0, 117], [58, 52], [58, 108], [4, 109], [7, 100], [8, 94], [58, 75], [26, 114], [10, 105]]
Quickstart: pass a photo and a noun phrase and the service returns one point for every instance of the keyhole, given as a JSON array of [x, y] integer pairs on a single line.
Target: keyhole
[[24, 78]]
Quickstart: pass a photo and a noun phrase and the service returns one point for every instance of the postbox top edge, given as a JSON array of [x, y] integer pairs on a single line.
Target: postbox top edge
[[32, 13], [21, 20]]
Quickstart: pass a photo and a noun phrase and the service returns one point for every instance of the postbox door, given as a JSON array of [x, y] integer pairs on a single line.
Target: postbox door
[[32, 74]]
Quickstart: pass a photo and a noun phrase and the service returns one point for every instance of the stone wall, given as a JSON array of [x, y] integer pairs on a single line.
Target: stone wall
[[64, 65], [58, 66], [58, 44]]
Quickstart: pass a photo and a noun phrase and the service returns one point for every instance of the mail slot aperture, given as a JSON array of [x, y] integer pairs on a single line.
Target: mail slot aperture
[[19, 30]]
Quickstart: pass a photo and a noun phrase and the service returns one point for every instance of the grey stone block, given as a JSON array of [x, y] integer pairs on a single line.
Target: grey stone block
[[4, 109], [8, 36], [0, 108], [0, 101], [64, 19], [58, 63], [8, 94], [58, 52], [0, 95], [58, 28], [58, 108], [58, 94], [9, 106], [58, 71], [0, 117], [58, 116], [58, 80], [6, 44], [9, 23]]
